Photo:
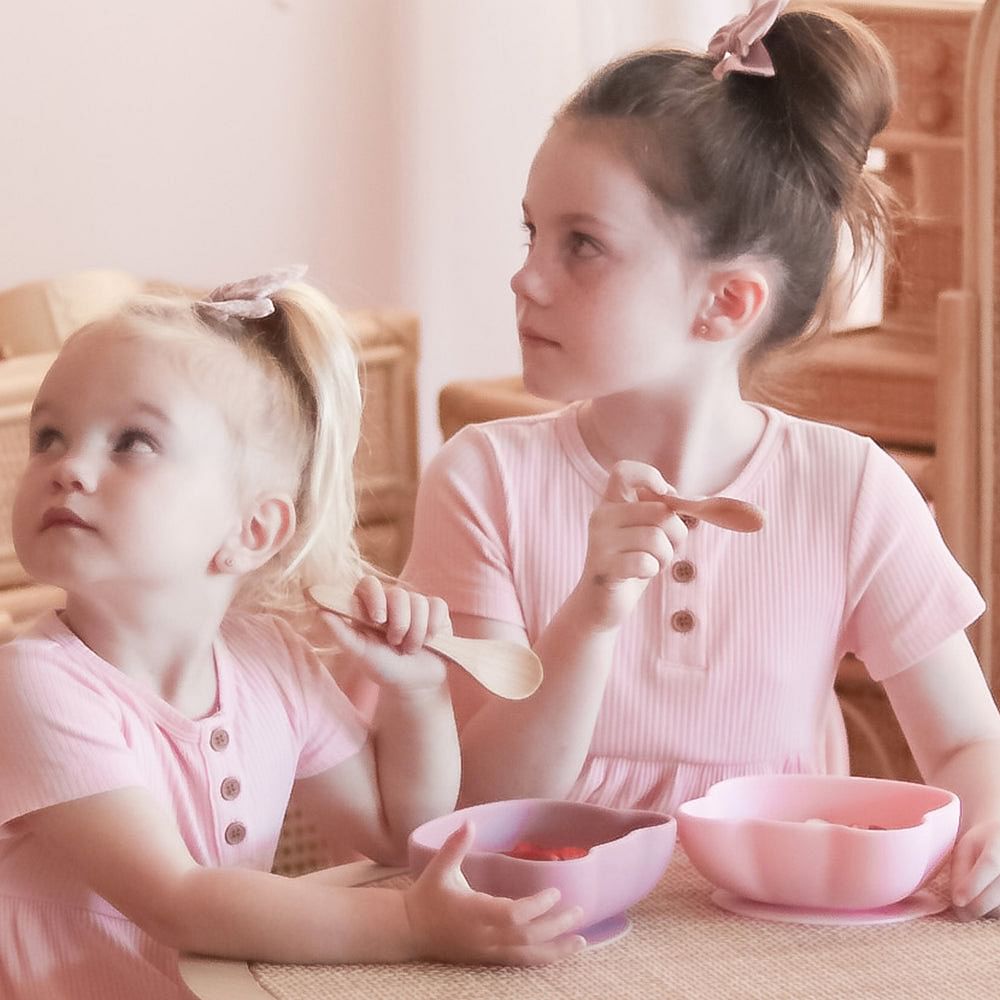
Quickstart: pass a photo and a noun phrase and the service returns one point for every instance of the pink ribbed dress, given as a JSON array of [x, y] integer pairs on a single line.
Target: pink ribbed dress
[[727, 664], [71, 725]]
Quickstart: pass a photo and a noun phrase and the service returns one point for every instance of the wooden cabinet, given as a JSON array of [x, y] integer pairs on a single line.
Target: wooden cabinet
[[387, 465]]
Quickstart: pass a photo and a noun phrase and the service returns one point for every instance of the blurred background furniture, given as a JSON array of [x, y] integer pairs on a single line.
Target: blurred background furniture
[[968, 411], [882, 381]]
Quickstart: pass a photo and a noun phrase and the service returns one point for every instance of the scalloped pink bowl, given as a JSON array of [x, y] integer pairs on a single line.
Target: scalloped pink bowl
[[753, 837], [628, 852]]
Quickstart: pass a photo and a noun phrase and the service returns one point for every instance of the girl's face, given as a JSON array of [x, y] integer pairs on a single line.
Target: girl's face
[[606, 298], [130, 477]]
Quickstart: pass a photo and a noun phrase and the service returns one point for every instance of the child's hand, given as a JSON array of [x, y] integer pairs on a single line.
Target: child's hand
[[394, 655], [975, 872], [453, 923], [632, 540]]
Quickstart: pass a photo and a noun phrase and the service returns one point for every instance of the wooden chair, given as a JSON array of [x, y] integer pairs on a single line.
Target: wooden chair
[[968, 474]]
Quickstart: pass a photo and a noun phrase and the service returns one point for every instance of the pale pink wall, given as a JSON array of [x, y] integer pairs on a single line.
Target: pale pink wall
[[384, 142], [198, 140]]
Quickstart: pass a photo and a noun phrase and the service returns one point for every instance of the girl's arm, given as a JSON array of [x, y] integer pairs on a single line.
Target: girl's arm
[[124, 846], [953, 728], [410, 769], [537, 747]]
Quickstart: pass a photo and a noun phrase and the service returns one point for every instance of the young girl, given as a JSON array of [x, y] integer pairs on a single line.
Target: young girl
[[682, 216], [190, 471]]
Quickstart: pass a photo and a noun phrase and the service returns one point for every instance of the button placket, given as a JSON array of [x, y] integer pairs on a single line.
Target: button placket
[[225, 787], [683, 570], [683, 630]]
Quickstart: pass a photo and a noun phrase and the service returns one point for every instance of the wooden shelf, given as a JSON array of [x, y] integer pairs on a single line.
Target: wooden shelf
[[876, 382]]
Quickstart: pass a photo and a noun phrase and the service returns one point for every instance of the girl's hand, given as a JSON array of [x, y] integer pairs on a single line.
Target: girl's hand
[[632, 540], [393, 655], [975, 872], [453, 923]]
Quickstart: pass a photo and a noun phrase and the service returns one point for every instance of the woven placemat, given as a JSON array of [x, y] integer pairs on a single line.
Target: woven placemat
[[682, 946]]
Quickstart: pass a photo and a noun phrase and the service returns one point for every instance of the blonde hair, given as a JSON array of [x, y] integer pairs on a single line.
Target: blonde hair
[[303, 411]]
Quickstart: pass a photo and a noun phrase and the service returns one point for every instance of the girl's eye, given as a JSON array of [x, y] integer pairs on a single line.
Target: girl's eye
[[42, 439], [135, 442], [529, 232], [581, 245]]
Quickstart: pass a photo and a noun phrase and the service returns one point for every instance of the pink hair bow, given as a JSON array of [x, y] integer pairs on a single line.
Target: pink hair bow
[[738, 45], [250, 298]]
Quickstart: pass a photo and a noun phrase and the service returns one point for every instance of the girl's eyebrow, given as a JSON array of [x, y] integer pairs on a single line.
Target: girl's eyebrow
[[585, 218], [574, 218], [153, 411], [149, 409]]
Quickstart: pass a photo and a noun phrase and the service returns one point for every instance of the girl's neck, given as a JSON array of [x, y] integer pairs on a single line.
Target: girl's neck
[[699, 440], [164, 643]]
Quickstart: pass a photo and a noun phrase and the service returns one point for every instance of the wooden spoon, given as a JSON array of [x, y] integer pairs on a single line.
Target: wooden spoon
[[725, 512], [508, 669]]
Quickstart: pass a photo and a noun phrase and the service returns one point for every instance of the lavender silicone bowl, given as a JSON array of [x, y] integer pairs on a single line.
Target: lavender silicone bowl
[[628, 851], [819, 841]]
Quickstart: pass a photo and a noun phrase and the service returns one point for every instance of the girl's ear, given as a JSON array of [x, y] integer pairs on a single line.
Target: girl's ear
[[265, 529], [735, 302]]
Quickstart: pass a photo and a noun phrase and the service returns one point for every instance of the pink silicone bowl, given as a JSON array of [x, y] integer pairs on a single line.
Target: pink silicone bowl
[[753, 837], [628, 853]]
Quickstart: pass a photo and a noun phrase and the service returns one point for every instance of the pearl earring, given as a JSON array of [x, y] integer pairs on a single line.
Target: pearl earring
[[702, 329], [229, 562]]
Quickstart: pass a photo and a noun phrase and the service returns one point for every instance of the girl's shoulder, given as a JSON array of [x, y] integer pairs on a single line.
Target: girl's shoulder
[[511, 434], [261, 639], [46, 644], [828, 449], [270, 653]]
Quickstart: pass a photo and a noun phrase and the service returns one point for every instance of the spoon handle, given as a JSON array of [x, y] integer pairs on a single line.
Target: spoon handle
[[724, 512]]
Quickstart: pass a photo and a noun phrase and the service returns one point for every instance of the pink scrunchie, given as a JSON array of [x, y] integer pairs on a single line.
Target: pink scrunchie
[[250, 298], [738, 45]]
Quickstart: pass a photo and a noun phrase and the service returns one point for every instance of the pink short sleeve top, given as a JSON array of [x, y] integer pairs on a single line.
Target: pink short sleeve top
[[727, 664], [72, 725]]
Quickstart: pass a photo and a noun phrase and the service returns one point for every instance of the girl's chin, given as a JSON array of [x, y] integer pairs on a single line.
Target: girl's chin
[[545, 385]]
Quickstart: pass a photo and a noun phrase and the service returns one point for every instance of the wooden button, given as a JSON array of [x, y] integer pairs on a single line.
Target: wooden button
[[219, 739], [230, 788], [235, 834], [689, 519], [682, 621], [683, 571]]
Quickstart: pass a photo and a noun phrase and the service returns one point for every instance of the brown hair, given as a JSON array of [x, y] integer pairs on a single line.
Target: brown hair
[[769, 166]]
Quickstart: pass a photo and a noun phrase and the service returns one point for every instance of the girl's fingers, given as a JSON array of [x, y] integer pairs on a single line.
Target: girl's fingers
[[641, 513], [438, 618], [540, 954], [548, 927], [371, 595], [631, 566], [627, 478], [447, 861], [975, 877], [986, 904], [346, 637], [417, 632], [398, 606]]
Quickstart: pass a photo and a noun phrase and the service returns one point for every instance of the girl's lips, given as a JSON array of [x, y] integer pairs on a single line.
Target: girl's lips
[[529, 336], [63, 517]]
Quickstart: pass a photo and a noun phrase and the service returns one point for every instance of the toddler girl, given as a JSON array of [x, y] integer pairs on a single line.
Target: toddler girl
[[682, 216], [189, 474]]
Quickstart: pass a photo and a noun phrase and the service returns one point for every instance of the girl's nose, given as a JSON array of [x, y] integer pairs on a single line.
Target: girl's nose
[[528, 282], [74, 473]]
